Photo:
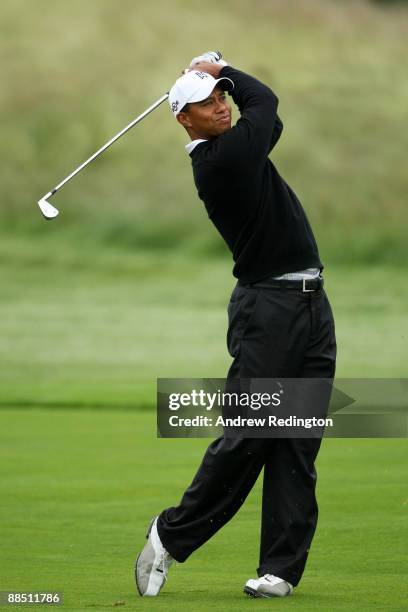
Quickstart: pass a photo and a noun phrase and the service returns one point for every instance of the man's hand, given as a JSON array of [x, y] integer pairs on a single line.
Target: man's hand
[[209, 62], [213, 57]]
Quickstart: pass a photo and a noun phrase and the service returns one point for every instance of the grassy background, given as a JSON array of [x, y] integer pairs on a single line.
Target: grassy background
[[76, 74], [131, 282], [89, 330]]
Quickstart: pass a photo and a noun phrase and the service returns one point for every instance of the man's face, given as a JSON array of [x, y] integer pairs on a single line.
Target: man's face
[[208, 118]]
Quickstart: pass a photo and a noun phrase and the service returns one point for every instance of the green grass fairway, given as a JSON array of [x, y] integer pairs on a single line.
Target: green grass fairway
[[79, 488]]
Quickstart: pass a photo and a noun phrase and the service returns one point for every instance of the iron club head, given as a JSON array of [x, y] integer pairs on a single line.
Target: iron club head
[[47, 209]]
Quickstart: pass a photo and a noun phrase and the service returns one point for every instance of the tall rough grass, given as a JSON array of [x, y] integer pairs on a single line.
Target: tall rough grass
[[75, 73]]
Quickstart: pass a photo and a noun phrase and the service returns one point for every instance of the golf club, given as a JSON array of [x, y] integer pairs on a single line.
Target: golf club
[[49, 211]]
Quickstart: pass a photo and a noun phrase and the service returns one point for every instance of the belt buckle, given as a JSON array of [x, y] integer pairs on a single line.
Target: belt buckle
[[304, 290]]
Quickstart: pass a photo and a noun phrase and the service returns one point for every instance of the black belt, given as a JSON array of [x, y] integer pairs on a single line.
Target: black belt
[[305, 285]]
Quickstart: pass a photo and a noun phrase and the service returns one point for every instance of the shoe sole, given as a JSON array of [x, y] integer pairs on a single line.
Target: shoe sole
[[137, 584], [255, 594], [147, 537]]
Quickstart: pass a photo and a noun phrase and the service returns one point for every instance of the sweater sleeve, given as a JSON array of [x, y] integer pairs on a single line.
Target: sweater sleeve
[[276, 134], [257, 130]]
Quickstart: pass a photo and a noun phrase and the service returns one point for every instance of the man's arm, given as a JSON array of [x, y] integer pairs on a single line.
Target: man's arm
[[277, 131], [257, 130]]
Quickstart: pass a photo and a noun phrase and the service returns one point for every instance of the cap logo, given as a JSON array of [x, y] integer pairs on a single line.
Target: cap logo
[[175, 106], [202, 75]]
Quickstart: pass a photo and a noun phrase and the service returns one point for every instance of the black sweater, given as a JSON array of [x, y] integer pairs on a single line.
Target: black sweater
[[254, 210]]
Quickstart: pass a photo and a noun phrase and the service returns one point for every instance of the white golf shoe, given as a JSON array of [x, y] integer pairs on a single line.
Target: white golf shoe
[[152, 564], [268, 586]]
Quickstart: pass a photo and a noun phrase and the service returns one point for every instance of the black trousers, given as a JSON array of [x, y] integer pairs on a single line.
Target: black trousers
[[272, 333]]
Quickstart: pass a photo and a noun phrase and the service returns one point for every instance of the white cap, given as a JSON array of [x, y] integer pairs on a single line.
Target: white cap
[[195, 86]]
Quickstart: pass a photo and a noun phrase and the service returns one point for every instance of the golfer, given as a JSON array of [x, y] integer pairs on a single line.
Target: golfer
[[280, 326]]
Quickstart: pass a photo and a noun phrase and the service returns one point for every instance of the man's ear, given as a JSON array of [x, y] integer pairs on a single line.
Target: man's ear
[[184, 119]]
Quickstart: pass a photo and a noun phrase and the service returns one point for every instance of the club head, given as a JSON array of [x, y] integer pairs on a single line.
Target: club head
[[47, 209]]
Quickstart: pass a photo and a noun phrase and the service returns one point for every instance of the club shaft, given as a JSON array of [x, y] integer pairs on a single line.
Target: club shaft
[[111, 141]]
